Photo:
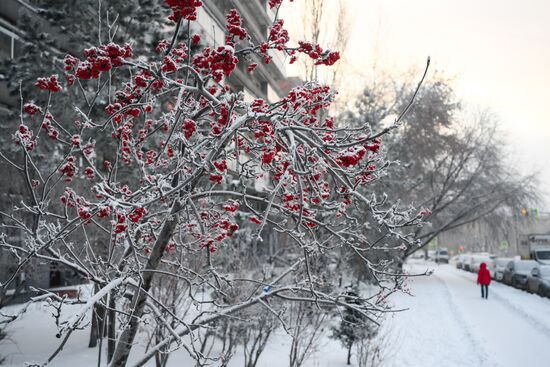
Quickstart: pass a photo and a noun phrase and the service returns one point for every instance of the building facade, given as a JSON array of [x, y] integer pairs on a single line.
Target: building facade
[[499, 237], [267, 81]]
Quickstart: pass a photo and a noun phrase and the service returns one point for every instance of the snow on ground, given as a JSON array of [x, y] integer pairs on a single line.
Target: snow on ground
[[447, 324], [32, 340]]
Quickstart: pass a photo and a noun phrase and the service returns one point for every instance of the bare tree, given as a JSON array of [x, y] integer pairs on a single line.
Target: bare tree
[[334, 32], [307, 327], [451, 163]]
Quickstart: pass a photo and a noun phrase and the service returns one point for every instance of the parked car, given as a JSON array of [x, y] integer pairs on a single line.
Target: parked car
[[454, 260], [441, 256], [459, 259], [500, 266], [419, 255], [488, 259], [517, 271], [539, 280], [467, 263]]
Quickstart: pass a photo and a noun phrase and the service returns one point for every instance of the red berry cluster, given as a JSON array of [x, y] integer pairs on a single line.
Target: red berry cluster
[[137, 214], [31, 109], [278, 36], [189, 127], [217, 62], [24, 137], [168, 65], [351, 156], [234, 26], [316, 52], [47, 125], [183, 9], [75, 140], [89, 172], [274, 3], [120, 224], [104, 212], [50, 83], [84, 212], [70, 199], [216, 178], [255, 219], [219, 227], [309, 98], [98, 59], [69, 168], [231, 206], [224, 119], [220, 165]]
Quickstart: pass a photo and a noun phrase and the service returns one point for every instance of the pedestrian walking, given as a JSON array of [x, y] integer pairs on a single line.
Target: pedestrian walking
[[484, 279]]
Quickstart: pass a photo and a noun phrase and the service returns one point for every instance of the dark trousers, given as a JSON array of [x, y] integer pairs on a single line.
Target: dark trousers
[[484, 291]]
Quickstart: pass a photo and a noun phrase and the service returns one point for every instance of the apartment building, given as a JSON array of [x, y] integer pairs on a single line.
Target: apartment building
[[267, 81]]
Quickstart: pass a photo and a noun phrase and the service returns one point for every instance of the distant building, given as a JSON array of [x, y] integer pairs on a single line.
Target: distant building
[[489, 235]]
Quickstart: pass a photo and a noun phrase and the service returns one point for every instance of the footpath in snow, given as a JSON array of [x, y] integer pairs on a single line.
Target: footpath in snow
[[449, 324]]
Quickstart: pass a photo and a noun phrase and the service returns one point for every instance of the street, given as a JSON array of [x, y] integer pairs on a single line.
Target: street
[[449, 324]]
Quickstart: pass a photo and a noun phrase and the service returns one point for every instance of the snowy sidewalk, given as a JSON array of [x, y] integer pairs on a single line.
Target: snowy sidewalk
[[449, 324]]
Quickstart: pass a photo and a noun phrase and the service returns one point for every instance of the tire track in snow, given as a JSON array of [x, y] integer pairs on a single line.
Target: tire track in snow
[[454, 309]]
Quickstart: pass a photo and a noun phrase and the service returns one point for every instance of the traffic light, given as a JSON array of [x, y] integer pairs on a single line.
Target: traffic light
[[523, 212], [531, 212]]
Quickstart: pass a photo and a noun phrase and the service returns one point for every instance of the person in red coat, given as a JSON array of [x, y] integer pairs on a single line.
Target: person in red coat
[[484, 279]]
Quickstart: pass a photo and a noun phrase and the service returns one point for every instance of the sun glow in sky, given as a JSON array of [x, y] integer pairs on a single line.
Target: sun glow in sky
[[497, 51]]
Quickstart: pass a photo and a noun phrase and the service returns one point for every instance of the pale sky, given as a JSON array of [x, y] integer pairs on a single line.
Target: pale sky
[[498, 51]]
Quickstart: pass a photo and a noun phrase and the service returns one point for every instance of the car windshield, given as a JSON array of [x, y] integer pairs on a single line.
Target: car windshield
[[543, 255], [525, 265], [443, 252], [502, 262]]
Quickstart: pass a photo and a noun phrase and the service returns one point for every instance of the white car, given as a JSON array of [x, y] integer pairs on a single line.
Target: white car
[[460, 261], [488, 259], [467, 262], [500, 266], [441, 256]]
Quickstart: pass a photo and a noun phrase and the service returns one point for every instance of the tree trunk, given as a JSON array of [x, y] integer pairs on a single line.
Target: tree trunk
[[98, 322], [111, 327], [126, 340], [93, 330], [349, 354]]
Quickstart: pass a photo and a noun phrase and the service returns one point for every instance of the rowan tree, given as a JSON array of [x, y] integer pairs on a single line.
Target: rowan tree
[[178, 188]]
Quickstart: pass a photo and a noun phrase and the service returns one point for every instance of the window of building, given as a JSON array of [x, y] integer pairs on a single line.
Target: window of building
[[9, 43], [5, 45]]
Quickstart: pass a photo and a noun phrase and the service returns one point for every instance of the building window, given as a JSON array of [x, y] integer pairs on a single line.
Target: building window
[[9, 43]]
